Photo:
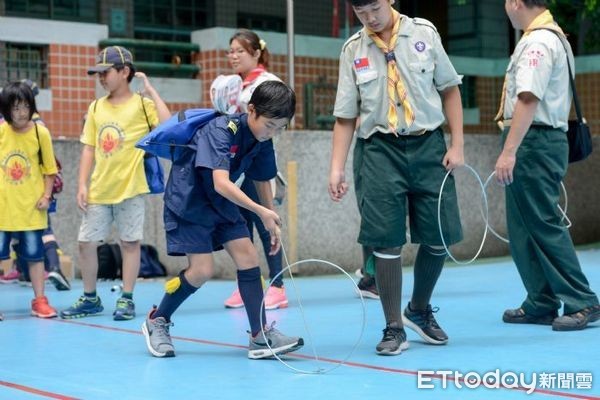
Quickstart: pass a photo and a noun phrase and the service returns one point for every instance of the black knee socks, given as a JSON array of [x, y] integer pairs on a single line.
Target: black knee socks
[[51, 259], [250, 286], [428, 267], [178, 289], [388, 276]]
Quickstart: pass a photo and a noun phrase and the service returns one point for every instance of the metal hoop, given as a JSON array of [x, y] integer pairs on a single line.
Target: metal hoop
[[560, 209], [485, 202], [296, 291]]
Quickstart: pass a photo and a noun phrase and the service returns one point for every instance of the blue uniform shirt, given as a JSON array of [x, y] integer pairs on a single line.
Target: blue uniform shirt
[[223, 143]]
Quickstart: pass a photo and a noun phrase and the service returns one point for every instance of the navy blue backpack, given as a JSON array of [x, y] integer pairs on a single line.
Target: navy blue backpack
[[171, 138]]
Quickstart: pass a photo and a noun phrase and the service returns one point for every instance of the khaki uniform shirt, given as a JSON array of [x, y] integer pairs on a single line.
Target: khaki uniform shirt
[[425, 70], [539, 65]]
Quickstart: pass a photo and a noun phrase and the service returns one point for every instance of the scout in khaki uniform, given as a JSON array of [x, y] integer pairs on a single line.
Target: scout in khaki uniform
[[396, 77], [534, 112]]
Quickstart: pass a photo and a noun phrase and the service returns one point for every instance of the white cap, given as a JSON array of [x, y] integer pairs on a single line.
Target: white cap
[[224, 93]]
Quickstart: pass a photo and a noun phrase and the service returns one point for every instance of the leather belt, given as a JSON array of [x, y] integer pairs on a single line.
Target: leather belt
[[413, 133]]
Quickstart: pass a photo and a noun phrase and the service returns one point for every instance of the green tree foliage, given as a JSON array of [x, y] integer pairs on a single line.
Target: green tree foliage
[[581, 21]]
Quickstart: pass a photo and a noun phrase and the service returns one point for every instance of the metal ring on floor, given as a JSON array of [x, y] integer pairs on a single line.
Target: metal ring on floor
[[306, 326]]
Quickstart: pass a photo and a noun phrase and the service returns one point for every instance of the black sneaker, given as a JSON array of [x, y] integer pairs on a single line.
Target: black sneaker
[[423, 322], [368, 288], [58, 280], [519, 316], [578, 320], [393, 342]]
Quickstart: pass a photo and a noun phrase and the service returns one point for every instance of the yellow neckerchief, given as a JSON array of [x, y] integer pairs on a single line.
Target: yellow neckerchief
[[543, 21], [395, 87]]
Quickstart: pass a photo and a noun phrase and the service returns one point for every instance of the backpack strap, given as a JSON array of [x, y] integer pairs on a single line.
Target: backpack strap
[[145, 113], [37, 134]]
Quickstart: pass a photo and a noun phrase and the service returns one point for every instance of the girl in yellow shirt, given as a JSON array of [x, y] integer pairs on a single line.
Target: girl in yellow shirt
[[27, 171]]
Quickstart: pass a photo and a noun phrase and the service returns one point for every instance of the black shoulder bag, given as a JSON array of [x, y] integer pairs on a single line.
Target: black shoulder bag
[[578, 134]]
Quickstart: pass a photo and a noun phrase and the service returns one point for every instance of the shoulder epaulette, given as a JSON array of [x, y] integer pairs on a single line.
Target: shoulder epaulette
[[351, 39], [233, 125], [423, 21]]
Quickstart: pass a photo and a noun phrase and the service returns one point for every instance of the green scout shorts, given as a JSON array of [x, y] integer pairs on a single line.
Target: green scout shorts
[[400, 172]]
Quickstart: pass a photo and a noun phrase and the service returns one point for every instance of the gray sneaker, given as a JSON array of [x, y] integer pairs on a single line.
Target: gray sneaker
[[393, 342], [278, 343], [59, 281], [158, 339]]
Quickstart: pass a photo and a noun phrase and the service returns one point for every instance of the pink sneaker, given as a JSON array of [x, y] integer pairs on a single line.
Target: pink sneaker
[[275, 298], [11, 277], [235, 300]]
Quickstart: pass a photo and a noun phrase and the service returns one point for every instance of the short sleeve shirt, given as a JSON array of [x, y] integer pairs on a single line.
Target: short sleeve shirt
[[539, 66], [113, 130], [22, 177], [425, 70], [225, 143]]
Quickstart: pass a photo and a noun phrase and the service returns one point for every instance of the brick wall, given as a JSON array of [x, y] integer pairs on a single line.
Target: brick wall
[[307, 70], [489, 91], [73, 89]]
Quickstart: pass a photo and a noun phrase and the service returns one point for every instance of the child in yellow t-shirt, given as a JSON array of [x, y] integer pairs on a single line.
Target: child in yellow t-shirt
[[27, 175], [117, 185]]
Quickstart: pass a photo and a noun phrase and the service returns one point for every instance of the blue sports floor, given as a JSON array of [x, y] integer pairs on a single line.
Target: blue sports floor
[[98, 358]]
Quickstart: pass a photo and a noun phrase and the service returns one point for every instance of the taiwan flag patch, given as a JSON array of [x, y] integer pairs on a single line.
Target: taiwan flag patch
[[233, 151], [361, 64]]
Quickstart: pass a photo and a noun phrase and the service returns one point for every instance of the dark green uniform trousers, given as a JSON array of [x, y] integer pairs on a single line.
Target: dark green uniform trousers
[[540, 244]]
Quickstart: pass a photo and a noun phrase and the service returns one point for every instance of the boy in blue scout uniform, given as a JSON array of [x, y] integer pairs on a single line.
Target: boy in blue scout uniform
[[534, 111], [396, 77], [201, 214]]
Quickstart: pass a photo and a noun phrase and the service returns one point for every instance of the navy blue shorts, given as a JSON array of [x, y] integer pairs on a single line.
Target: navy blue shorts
[[184, 237], [30, 247]]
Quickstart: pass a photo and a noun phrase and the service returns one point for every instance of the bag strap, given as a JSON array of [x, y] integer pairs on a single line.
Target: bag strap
[[571, 76], [145, 113], [37, 134]]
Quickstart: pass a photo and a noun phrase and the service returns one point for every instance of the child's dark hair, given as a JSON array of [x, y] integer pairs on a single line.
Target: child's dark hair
[[535, 3], [361, 3], [274, 99], [120, 67], [251, 42], [13, 94]]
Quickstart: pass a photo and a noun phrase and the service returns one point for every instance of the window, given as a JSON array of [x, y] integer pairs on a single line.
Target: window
[[262, 22], [468, 92], [24, 61], [69, 10], [169, 19]]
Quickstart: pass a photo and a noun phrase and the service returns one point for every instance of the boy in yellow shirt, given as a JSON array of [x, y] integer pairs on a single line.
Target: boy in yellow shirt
[[26, 178], [115, 191]]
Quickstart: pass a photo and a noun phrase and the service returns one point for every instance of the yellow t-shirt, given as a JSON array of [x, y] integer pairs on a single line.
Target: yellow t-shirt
[[21, 177], [113, 130]]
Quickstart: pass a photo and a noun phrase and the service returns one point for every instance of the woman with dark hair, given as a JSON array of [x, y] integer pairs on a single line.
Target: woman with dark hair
[[249, 58]]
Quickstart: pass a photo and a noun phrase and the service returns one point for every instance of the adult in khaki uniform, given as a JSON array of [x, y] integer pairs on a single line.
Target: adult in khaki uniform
[[396, 77], [534, 111]]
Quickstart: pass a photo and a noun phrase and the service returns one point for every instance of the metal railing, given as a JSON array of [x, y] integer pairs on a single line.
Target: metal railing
[[159, 57], [319, 99], [24, 61]]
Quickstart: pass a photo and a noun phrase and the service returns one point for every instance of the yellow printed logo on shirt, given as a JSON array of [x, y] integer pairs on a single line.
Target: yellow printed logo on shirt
[[16, 167], [110, 139]]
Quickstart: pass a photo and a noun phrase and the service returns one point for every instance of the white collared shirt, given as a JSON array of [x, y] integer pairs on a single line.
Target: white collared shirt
[[425, 70], [539, 66]]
